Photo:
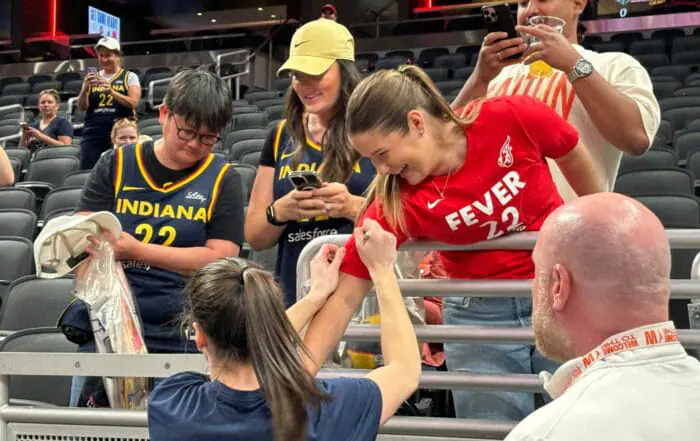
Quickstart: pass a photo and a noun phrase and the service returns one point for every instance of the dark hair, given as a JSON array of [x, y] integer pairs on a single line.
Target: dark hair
[[397, 92], [240, 309], [201, 97], [339, 157]]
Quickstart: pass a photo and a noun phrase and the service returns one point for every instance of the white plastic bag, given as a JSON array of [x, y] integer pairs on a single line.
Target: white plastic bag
[[102, 285]]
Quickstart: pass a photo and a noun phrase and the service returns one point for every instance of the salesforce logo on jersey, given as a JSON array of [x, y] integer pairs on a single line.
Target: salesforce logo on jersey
[[308, 235]]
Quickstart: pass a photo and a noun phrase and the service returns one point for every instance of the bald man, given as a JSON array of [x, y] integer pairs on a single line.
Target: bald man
[[600, 304]]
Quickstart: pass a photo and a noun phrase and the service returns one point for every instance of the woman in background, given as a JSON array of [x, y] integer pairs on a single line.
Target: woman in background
[[50, 129]]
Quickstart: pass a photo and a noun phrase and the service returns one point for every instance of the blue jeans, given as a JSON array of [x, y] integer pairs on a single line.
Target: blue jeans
[[492, 358]]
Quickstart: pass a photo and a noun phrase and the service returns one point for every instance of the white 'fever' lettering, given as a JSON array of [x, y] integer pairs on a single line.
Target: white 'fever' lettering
[[503, 191]]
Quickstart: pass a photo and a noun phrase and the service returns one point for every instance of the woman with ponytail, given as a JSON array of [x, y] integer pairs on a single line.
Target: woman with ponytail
[[260, 383], [458, 177]]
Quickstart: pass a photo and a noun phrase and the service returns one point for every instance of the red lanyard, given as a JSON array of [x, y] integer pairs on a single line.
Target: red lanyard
[[647, 336]]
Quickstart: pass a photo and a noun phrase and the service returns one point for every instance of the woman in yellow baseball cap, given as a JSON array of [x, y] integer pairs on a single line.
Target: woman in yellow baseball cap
[[311, 139]]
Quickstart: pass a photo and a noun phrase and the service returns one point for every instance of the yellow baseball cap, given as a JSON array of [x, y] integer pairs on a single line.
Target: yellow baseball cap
[[317, 45]]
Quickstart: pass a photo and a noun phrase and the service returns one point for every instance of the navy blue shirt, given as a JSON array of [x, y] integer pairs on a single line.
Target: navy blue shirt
[[279, 152], [57, 127], [175, 213], [187, 406]]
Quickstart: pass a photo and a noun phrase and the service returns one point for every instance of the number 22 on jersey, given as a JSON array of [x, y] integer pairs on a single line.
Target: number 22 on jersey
[[146, 231]]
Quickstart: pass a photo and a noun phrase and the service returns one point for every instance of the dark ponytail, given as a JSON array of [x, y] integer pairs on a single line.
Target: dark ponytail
[[240, 309]]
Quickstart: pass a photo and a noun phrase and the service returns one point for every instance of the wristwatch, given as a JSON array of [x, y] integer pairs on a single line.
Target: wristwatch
[[582, 69], [270, 212]]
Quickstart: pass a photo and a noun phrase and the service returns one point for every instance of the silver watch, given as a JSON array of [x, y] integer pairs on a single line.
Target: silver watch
[[582, 69]]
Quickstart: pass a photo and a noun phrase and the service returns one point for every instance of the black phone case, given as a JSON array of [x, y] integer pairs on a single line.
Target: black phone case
[[498, 18]]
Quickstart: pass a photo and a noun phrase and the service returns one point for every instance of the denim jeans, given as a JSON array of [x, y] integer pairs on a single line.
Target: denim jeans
[[492, 358]]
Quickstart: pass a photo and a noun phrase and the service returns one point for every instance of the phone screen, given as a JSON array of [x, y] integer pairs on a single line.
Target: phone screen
[[92, 70]]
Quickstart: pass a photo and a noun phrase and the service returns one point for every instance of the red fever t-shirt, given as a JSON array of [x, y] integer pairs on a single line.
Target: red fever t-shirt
[[503, 186]]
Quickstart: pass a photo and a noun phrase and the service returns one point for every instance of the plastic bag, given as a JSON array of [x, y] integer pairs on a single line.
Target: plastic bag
[[116, 325]]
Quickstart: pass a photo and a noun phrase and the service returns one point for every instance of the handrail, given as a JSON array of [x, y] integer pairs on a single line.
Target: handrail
[[678, 239], [19, 134], [235, 76], [166, 40], [151, 91], [71, 108]]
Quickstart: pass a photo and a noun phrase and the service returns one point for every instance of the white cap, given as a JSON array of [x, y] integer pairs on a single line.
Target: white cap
[[58, 248], [109, 43]]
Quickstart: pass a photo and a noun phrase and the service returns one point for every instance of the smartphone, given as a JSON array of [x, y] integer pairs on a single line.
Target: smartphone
[[498, 18], [23, 125], [92, 70], [305, 180]]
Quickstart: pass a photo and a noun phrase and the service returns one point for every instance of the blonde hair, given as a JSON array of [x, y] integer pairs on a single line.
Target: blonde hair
[[123, 123], [397, 92], [54, 94]]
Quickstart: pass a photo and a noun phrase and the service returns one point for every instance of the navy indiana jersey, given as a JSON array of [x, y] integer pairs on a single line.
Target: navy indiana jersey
[[298, 234], [175, 215], [103, 108], [188, 406]]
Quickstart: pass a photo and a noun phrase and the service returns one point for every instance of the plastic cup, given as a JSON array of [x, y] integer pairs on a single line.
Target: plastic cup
[[540, 68]]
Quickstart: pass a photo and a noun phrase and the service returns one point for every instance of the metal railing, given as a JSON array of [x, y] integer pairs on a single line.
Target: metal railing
[[236, 76], [72, 105], [10, 108]]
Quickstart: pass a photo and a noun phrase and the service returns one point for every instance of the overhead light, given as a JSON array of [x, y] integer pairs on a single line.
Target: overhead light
[[199, 14], [213, 20], [260, 9], [273, 16]]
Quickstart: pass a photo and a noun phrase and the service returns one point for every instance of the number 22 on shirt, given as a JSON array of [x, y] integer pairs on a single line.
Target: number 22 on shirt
[[146, 230]]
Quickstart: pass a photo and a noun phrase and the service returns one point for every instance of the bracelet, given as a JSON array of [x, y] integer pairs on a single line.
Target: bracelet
[[306, 288]]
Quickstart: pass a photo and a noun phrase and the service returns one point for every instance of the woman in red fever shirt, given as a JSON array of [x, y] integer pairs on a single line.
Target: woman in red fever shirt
[[458, 177]]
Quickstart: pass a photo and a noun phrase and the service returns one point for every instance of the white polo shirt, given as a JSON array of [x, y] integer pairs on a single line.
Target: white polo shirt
[[645, 389], [621, 70]]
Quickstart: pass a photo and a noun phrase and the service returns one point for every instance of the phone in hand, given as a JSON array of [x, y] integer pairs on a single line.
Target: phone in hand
[[498, 18], [92, 70], [305, 180], [23, 125]]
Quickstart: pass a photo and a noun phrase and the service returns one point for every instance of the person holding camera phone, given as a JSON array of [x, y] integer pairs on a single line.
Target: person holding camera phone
[[593, 91], [311, 141], [49, 129], [107, 95]]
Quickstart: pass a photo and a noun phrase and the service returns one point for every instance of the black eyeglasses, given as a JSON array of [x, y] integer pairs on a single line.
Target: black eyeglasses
[[189, 135]]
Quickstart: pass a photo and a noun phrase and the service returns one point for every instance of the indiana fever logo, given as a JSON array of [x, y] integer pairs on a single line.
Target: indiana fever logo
[[505, 158]]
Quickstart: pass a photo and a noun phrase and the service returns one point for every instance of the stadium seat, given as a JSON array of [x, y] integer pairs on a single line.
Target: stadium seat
[[470, 52], [152, 130], [283, 83], [44, 175], [651, 61], [275, 112], [56, 151], [390, 63], [237, 103], [35, 390], [685, 44], [688, 91], [694, 125], [259, 95], [45, 85], [62, 198], [9, 80], [151, 71], [673, 210], [18, 223], [21, 154], [73, 87], [32, 302], [408, 55], [272, 124], [16, 89], [238, 110], [250, 121], [247, 173], [147, 122], [650, 46], [250, 158], [65, 77], [672, 181], [39, 78], [263, 104], [15, 197], [239, 135], [686, 143], [428, 56], [10, 130], [627, 38], [266, 258], [362, 65], [680, 116], [245, 146], [438, 73], [16, 168], [678, 71], [452, 61], [664, 89], [9, 100], [16, 261], [447, 87], [692, 163], [661, 159], [609, 46], [691, 58], [463, 73], [76, 178]]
